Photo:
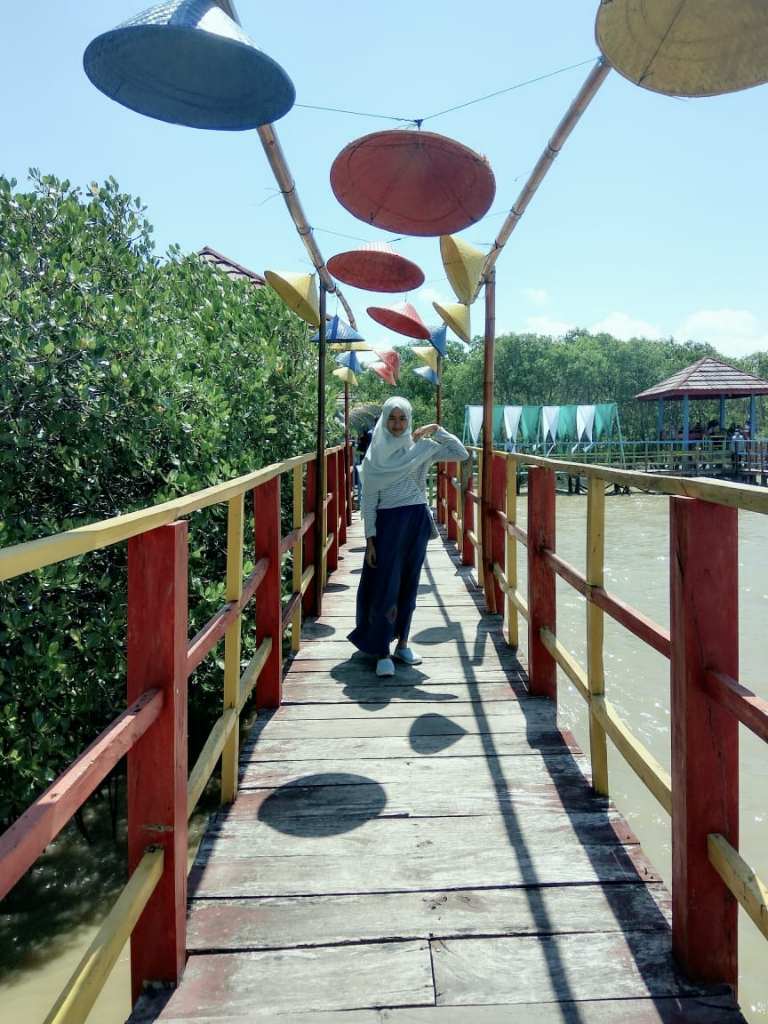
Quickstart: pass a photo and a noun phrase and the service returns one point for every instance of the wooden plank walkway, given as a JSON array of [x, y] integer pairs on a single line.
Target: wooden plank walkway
[[423, 848]]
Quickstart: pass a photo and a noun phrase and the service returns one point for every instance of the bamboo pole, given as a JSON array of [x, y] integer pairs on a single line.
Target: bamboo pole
[[584, 97], [284, 179]]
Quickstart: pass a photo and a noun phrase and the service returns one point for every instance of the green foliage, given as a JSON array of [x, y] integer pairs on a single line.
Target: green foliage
[[123, 382]]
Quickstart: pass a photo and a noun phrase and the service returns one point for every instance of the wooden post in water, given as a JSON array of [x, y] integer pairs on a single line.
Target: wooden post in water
[[269, 605], [157, 764], [704, 627], [542, 668]]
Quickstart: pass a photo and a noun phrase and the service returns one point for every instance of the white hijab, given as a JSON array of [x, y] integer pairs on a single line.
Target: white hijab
[[390, 459]]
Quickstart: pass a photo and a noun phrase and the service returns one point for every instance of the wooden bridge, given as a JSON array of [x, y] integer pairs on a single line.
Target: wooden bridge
[[400, 848], [414, 847]]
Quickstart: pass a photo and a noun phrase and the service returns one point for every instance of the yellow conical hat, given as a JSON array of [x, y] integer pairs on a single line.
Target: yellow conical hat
[[299, 291], [346, 375], [456, 316], [349, 346], [463, 266], [428, 354]]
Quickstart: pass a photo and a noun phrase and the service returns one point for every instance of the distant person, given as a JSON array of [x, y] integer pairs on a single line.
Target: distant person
[[398, 524]]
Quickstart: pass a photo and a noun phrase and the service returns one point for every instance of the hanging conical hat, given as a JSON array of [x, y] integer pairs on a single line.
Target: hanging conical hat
[[696, 48], [299, 291], [346, 375], [349, 346], [376, 267], [384, 371], [391, 359], [337, 329], [456, 316], [413, 182], [402, 318], [428, 355], [463, 266], [349, 359], [437, 337], [427, 373]]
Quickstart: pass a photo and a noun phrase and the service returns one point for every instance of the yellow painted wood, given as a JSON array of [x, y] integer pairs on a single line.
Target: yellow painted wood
[[566, 661], [598, 746], [78, 997], [209, 756], [35, 554], [515, 596], [306, 577], [232, 644], [638, 757], [253, 671], [745, 885], [510, 543], [298, 555]]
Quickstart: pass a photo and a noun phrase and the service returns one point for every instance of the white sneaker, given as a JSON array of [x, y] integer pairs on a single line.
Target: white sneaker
[[385, 667], [408, 655]]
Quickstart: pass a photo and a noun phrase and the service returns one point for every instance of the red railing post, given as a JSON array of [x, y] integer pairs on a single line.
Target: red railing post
[[542, 668], [310, 537], [269, 604], [468, 526], [334, 509], [498, 529], [344, 488], [704, 626], [451, 470], [157, 764]]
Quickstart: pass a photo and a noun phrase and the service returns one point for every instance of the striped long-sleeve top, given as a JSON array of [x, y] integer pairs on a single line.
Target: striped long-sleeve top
[[412, 489]]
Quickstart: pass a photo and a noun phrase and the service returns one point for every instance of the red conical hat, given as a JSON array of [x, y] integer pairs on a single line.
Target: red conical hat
[[376, 267], [392, 360], [402, 318], [413, 182], [384, 371]]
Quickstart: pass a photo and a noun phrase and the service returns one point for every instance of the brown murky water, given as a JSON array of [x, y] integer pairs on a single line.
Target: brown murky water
[[57, 931]]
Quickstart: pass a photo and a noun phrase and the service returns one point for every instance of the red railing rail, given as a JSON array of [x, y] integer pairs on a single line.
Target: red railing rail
[[152, 731]]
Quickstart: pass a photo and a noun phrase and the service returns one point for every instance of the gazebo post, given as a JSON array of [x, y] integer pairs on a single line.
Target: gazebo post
[[686, 424], [722, 413], [752, 418], [660, 420]]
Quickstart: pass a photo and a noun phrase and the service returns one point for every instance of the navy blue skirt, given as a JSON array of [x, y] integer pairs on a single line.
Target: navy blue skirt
[[386, 596]]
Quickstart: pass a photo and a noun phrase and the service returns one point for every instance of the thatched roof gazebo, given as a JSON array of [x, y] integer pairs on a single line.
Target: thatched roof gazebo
[[707, 378]]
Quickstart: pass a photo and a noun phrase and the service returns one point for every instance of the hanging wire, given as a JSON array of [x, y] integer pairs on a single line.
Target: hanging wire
[[419, 121]]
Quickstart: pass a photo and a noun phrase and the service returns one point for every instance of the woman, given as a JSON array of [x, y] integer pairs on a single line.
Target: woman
[[398, 524]]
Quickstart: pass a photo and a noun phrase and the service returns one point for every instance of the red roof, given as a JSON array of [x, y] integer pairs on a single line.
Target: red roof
[[708, 378], [230, 268]]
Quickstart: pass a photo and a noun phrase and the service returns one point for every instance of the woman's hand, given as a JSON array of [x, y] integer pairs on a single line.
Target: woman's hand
[[426, 431], [370, 552]]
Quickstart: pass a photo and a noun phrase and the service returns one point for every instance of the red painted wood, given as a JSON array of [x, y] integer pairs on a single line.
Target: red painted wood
[[335, 511], [28, 836], [206, 639], [542, 668], [743, 704], [452, 495], [498, 524], [467, 547], [704, 619], [269, 612], [157, 764], [310, 537]]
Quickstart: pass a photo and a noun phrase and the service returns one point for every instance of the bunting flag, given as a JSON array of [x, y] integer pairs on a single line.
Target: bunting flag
[[391, 359], [350, 360], [346, 375], [427, 373], [438, 336], [384, 372], [428, 355]]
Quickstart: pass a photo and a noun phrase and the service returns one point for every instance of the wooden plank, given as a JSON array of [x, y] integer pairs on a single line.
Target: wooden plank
[[239, 871], [283, 922], [710, 1009], [264, 985], [556, 968]]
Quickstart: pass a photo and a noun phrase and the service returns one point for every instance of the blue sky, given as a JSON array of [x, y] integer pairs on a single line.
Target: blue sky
[[652, 221]]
